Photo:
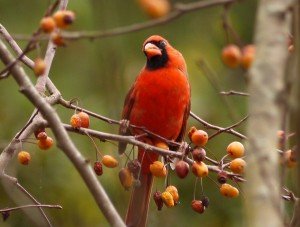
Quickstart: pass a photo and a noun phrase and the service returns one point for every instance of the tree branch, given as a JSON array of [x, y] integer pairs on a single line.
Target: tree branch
[[179, 10], [63, 140], [211, 126]]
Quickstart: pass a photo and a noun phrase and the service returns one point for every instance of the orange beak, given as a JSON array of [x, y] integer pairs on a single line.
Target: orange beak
[[152, 50]]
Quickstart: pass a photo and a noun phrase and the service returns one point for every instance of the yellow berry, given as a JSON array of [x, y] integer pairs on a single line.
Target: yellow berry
[[162, 145], [235, 149], [229, 191], [200, 169], [47, 24], [199, 138], [158, 169], [167, 199], [24, 157], [237, 165], [174, 192], [126, 178], [109, 161], [39, 67]]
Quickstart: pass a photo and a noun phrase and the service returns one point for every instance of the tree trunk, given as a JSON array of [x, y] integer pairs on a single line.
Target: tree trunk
[[266, 86]]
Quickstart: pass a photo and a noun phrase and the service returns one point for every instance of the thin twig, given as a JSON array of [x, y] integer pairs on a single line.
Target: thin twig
[[228, 128], [212, 78], [232, 92], [211, 126], [228, 28], [30, 206]]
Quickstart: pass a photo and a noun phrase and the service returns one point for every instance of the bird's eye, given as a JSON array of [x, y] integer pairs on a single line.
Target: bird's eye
[[163, 43]]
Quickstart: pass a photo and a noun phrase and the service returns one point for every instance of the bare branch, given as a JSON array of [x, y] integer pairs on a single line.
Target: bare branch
[[211, 126], [63, 140], [30, 206], [228, 128], [15, 183], [149, 148], [179, 10]]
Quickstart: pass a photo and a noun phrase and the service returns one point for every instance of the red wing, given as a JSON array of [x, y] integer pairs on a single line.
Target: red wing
[[128, 103], [184, 121]]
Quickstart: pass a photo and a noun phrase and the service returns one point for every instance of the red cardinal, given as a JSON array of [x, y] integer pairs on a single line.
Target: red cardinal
[[159, 100]]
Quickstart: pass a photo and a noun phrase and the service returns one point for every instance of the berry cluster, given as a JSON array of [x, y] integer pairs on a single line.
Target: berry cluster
[[50, 25], [233, 56], [44, 142]]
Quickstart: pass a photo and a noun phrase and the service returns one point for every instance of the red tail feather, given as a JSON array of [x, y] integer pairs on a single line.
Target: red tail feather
[[139, 202]]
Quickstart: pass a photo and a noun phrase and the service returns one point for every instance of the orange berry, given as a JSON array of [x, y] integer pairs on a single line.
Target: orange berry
[[39, 67], [155, 8], [199, 138], [229, 191], [109, 161], [191, 131], [98, 168], [162, 145], [289, 158], [126, 178], [46, 143], [280, 134], [198, 206], [182, 169], [75, 121], [248, 54], [24, 157], [174, 192], [64, 18], [38, 131], [291, 48], [281, 138], [167, 198], [200, 169], [147, 140], [237, 165], [231, 56], [158, 169], [158, 200], [85, 119], [235, 149], [42, 136], [57, 39], [47, 24]]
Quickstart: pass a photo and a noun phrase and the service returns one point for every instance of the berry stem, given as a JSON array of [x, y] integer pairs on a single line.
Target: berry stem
[[195, 186], [95, 145]]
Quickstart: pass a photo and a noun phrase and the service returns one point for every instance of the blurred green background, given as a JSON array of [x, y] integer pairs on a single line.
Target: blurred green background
[[99, 73]]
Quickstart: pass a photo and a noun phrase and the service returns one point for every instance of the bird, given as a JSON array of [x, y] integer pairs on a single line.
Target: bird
[[159, 101]]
